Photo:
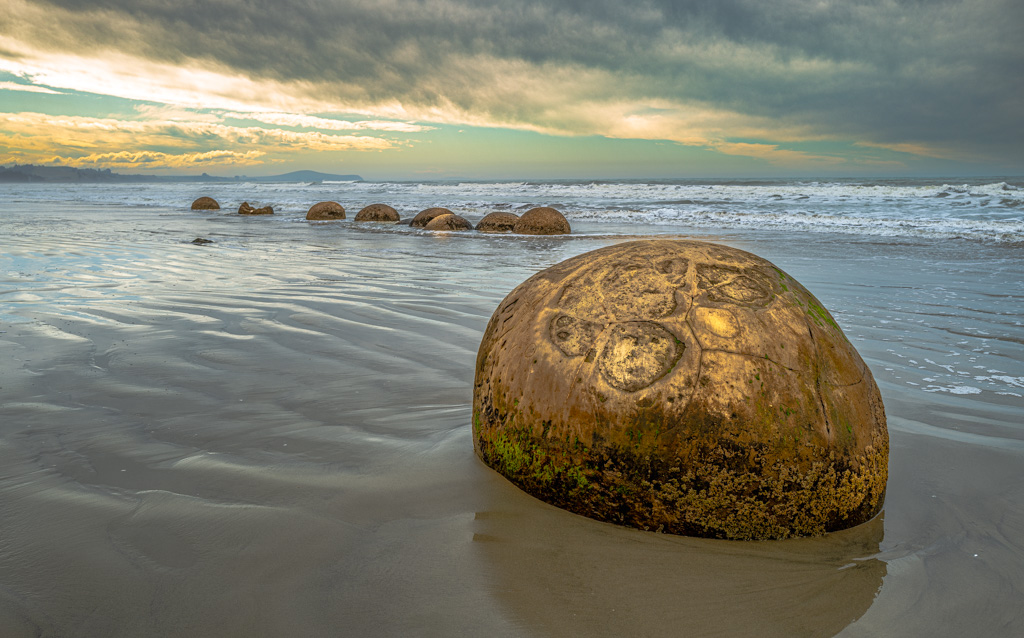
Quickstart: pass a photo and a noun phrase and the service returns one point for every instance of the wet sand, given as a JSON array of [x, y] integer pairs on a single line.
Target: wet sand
[[270, 436]]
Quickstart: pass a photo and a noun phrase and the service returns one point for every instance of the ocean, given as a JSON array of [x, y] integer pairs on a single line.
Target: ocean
[[270, 434]]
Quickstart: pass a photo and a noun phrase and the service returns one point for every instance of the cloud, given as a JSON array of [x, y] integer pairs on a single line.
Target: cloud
[[312, 121], [158, 160], [910, 75], [86, 141], [88, 132], [920, 150], [773, 154], [29, 88]]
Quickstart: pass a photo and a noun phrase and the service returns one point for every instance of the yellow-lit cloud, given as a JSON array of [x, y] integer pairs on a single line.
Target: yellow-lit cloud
[[776, 155], [37, 135], [153, 159], [918, 149]]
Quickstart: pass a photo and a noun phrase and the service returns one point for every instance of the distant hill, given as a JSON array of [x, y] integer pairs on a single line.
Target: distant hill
[[29, 173], [305, 176]]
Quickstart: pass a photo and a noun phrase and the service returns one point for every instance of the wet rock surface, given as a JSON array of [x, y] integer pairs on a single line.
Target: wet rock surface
[[497, 222], [449, 222], [205, 203], [683, 387], [325, 211], [246, 209], [377, 213], [423, 217], [543, 220]]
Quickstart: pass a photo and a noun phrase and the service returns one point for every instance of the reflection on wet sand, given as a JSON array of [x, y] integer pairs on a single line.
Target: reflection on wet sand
[[565, 575]]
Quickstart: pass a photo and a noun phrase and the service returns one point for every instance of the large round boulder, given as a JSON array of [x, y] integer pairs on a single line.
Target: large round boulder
[[423, 217], [246, 209], [205, 203], [448, 222], [684, 387], [325, 211], [498, 222], [543, 220], [378, 213]]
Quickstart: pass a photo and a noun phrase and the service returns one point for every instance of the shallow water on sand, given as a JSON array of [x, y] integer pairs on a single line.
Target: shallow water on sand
[[269, 435]]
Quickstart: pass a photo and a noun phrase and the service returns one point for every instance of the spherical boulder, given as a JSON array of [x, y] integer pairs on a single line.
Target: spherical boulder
[[448, 222], [325, 211], [497, 222], [377, 213], [423, 217], [542, 221], [205, 203], [246, 209], [684, 387]]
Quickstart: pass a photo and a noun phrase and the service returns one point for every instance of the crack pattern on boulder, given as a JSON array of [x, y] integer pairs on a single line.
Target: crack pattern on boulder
[[680, 386]]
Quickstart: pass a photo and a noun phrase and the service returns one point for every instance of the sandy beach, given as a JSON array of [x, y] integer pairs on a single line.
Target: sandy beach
[[270, 435]]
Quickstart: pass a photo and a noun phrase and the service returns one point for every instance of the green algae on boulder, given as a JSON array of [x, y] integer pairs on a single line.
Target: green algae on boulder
[[684, 387]]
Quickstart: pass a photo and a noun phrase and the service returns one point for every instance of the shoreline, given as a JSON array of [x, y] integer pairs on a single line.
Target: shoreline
[[272, 435]]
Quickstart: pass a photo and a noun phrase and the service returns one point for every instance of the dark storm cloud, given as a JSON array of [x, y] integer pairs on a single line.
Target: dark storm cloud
[[892, 72]]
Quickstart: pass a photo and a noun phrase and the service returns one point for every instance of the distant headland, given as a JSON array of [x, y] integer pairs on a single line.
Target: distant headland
[[29, 173]]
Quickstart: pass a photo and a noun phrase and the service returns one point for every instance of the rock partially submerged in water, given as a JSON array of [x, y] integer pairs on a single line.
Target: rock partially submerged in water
[[378, 213], [205, 203], [201, 241], [325, 211], [246, 209], [497, 222], [423, 217], [683, 387], [448, 222], [543, 220]]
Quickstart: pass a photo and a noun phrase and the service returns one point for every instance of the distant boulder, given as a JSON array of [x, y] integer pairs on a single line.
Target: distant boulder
[[246, 209], [497, 223], [377, 213], [542, 221], [326, 211], [424, 216], [205, 203], [448, 222], [201, 241]]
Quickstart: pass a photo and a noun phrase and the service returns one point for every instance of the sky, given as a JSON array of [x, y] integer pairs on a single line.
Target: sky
[[418, 89]]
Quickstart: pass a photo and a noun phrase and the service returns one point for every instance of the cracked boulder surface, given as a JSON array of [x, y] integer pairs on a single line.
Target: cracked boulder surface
[[683, 387]]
